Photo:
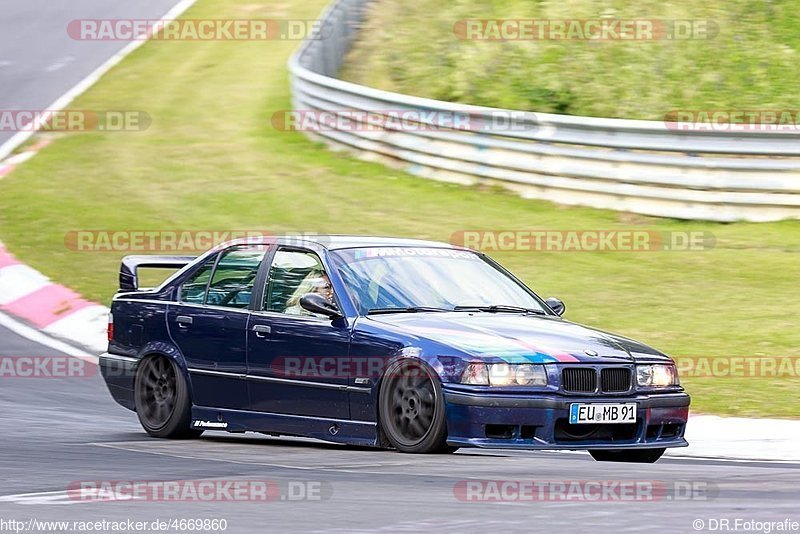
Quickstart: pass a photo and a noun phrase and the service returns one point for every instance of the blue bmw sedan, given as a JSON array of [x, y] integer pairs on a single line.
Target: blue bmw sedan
[[414, 345]]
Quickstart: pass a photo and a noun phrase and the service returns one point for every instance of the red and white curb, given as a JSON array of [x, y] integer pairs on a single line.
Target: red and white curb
[[54, 309]]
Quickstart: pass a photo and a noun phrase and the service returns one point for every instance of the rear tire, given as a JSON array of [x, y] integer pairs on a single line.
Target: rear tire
[[638, 456], [162, 399], [411, 409]]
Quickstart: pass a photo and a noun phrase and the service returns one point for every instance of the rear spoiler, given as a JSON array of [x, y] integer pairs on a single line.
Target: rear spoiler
[[129, 270]]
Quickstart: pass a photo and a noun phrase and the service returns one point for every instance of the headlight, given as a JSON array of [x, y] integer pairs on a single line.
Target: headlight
[[504, 374], [531, 375], [656, 376]]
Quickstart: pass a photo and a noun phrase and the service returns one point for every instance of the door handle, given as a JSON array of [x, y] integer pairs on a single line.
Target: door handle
[[183, 320], [261, 330]]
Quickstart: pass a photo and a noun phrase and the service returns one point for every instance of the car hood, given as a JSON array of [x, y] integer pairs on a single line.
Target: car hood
[[518, 338]]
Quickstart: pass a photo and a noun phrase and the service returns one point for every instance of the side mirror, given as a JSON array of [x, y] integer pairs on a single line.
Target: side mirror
[[556, 305], [316, 303]]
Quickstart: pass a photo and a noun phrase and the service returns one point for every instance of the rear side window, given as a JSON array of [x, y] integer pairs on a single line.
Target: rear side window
[[194, 289], [232, 283]]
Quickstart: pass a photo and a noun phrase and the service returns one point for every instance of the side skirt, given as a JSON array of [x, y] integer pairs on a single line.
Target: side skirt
[[363, 433]]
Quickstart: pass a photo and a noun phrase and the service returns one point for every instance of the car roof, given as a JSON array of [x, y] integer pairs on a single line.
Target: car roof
[[334, 242], [337, 242]]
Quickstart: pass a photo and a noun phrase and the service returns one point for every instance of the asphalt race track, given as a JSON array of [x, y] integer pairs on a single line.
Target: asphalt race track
[[60, 431], [39, 61]]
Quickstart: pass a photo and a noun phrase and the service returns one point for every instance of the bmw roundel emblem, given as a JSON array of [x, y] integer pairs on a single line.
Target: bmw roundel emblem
[[590, 352]]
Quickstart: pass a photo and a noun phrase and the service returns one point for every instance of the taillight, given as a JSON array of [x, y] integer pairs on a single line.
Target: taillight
[[110, 327]]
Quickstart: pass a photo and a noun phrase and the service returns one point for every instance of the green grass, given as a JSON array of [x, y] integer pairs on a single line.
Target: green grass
[[410, 47], [212, 161]]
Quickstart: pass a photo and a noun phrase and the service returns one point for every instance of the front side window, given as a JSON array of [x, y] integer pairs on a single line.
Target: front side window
[[401, 277], [292, 275], [193, 289], [232, 283]]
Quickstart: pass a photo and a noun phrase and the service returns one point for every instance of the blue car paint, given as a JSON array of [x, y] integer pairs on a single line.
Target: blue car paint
[[231, 372], [299, 339]]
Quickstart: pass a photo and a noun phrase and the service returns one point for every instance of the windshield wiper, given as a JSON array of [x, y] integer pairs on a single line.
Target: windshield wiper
[[409, 309], [494, 308]]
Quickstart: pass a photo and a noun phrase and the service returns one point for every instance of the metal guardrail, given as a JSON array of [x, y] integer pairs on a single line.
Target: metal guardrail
[[632, 165]]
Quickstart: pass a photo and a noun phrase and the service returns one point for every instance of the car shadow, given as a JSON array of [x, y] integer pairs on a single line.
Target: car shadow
[[284, 441]]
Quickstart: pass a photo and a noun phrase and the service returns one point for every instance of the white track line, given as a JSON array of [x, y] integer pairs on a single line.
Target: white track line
[[38, 337], [63, 101]]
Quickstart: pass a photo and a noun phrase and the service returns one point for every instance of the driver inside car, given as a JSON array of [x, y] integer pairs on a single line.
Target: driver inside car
[[317, 282]]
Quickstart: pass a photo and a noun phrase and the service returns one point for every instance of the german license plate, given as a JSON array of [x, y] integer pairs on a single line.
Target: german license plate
[[602, 413]]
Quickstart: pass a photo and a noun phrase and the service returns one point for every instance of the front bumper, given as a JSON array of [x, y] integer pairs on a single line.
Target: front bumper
[[542, 422]]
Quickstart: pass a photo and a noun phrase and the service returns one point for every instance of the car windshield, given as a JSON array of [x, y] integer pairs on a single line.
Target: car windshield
[[427, 279]]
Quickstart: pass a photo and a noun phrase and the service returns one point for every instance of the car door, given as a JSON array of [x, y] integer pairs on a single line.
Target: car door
[[209, 325], [297, 361]]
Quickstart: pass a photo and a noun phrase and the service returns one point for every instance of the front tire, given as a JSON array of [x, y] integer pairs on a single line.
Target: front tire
[[162, 399], [638, 456], [411, 409]]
